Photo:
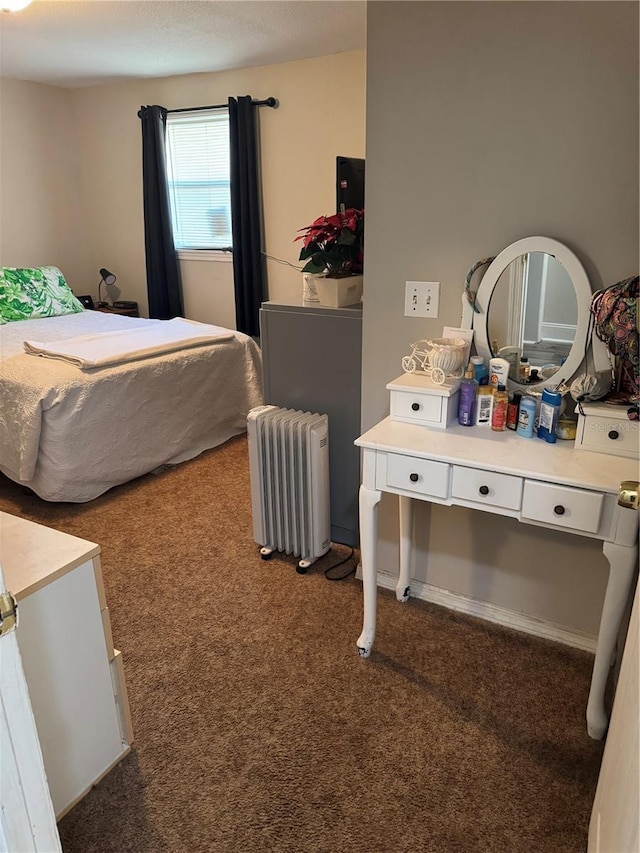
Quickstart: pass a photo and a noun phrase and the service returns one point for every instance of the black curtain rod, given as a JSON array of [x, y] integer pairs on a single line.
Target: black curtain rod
[[268, 102]]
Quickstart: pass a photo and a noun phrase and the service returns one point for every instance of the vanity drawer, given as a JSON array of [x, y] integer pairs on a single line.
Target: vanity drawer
[[578, 509], [415, 407], [601, 431], [415, 399], [474, 484], [422, 476]]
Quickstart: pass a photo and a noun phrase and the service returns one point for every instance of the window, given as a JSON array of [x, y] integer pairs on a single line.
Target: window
[[199, 179]]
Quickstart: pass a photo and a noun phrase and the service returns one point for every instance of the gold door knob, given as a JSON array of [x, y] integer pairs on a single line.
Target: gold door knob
[[629, 494]]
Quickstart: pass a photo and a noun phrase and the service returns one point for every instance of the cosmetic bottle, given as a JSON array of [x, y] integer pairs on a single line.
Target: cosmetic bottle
[[499, 413], [481, 374], [512, 355], [467, 398], [498, 372], [526, 417], [549, 414], [484, 405], [524, 369], [512, 411]]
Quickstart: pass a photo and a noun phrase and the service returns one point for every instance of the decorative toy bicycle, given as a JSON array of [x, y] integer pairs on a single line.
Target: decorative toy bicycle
[[439, 358]]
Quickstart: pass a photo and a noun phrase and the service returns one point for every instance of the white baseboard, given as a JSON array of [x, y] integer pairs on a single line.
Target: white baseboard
[[499, 615]]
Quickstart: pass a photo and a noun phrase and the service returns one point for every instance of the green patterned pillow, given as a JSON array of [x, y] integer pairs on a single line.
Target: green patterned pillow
[[29, 294]]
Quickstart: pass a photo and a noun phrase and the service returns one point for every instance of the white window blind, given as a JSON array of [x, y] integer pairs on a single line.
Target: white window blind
[[199, 180]]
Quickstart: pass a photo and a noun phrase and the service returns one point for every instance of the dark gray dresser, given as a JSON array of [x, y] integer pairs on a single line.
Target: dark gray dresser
[[312, 357]]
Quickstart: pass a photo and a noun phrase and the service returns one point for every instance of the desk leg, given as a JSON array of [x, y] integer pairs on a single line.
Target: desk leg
[[622, 564], [405, 507], [369, 500]]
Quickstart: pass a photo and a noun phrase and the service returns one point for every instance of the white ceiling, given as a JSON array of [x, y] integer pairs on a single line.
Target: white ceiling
[[75, 43]]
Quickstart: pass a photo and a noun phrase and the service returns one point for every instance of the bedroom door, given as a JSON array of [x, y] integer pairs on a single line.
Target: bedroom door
[[27, 821]]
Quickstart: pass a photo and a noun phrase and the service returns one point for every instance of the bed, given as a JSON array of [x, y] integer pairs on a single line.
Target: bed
[[70, 434]]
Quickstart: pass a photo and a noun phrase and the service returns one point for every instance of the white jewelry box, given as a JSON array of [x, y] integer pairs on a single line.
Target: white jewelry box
[[415, 399]]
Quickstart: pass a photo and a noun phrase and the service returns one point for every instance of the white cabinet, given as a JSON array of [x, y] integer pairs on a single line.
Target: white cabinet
[[75, 676]]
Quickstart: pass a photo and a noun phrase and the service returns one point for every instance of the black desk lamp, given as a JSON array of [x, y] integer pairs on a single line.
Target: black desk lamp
[[106, 277]]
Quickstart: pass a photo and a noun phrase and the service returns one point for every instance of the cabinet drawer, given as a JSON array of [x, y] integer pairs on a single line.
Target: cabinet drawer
[[608, 435], [575, 508], [421, 476], [416, 408], [474, 484]]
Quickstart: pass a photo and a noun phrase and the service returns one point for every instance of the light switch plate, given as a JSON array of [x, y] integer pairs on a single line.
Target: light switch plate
[[422, 299]]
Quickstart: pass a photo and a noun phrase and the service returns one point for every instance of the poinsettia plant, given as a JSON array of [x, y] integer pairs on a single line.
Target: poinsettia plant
[[334, 244]]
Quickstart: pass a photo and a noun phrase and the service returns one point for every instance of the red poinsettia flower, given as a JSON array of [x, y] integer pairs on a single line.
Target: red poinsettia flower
[[334, 244]]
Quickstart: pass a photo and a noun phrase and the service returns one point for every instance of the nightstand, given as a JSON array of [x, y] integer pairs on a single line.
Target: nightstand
[[131, 311]]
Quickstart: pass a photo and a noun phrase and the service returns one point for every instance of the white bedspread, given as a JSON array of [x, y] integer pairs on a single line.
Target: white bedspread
[[71, 434], [101, 349]]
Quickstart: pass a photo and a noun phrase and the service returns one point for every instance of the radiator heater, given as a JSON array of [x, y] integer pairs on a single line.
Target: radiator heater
[[289, 472]]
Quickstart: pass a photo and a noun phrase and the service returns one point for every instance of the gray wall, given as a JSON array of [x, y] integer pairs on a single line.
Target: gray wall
[[488, 122]]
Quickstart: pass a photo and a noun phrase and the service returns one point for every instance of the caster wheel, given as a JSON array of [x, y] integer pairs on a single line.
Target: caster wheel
[[301, 570], [266, 553]]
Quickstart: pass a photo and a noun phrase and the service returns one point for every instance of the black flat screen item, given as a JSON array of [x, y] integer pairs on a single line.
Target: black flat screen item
[[87, 302], [349, 183]]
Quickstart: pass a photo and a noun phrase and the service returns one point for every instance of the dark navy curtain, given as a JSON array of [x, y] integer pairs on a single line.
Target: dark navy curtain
[[249, 274], [164, 287]]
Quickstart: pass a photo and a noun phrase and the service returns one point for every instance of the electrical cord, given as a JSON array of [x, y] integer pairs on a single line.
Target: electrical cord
[[341, 563], [282, 261]]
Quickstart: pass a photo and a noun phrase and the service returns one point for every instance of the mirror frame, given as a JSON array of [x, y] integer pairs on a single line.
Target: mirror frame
[[582, 287]]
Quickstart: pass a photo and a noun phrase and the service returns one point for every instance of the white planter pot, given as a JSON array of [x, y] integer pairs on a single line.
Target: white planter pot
[[337, 292], [309, 287]]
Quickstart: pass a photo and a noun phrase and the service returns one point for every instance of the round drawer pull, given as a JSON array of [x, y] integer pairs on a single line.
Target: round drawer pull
[[614, 434], [415, 407], [484, 490], [414, 478], [559, 510]]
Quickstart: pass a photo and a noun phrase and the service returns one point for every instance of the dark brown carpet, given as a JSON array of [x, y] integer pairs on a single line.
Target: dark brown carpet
[[258, 727]]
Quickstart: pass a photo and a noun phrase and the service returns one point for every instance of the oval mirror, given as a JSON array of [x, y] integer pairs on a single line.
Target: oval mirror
[[533, 302], [533, 315]]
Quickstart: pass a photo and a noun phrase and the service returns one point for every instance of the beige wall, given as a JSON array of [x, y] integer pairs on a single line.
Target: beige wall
[[488, 122], [41, 212], [71, 172], [320, 115]]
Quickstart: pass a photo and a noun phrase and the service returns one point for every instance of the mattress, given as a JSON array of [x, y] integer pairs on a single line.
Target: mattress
[[71, 434]]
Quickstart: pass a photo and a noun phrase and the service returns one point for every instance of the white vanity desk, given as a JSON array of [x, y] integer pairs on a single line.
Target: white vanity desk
[[551, 485]]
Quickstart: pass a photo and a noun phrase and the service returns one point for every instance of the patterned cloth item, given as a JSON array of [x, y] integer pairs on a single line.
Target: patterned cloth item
[[29, 294], [615, 315]]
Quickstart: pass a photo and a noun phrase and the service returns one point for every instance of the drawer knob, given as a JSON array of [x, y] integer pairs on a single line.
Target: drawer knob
[[413, 478], [614, 434], [559, 510], [415, 407], [484, 490]]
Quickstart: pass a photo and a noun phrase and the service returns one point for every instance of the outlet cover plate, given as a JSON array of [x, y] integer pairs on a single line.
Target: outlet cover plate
[[422, 299]]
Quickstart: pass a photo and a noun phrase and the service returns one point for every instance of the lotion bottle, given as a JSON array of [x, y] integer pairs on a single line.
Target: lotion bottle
[[467, 398], [498, 372]]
